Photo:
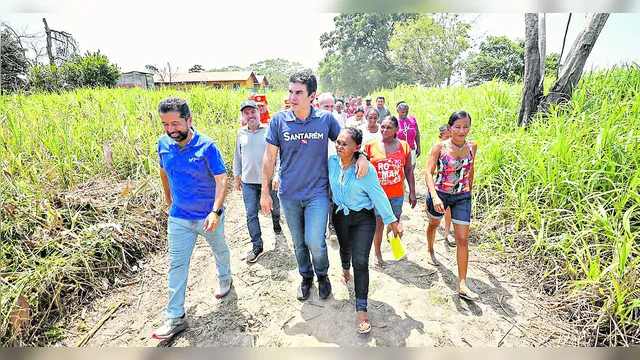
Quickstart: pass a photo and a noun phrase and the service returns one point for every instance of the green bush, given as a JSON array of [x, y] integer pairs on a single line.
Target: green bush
[[93, 70]]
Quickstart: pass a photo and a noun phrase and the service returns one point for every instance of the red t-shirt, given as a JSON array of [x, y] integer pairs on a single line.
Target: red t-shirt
[[265, 118], [390, 167]]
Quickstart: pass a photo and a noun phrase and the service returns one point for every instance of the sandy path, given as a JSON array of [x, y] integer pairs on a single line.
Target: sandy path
[[411, 302]]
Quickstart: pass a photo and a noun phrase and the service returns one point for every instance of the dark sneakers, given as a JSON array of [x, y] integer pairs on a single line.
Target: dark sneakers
[[252, 256], [324, 286], [305, 288], [277, 228]]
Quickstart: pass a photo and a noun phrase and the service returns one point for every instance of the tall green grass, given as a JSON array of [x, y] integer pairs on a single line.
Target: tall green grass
[[67, 224], [569, 185], [567, 188]]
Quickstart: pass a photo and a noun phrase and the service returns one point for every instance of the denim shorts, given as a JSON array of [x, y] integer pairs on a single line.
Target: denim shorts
[[396, 206], [460, 205]]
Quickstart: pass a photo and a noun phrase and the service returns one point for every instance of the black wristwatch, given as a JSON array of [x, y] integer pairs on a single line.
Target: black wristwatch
[[365, 155], [217, 212]]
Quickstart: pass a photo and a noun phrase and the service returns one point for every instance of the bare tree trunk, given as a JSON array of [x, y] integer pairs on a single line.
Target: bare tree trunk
[[47, 31], [564, 41], [542, 33], [576, 58], [531, 91]]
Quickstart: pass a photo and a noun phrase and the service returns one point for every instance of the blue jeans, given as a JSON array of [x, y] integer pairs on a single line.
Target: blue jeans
[[251, 196], [307, 221], [182, 236], [460, 205]]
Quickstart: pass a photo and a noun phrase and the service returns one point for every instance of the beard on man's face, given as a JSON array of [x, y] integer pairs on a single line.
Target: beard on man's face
[[178, 136]]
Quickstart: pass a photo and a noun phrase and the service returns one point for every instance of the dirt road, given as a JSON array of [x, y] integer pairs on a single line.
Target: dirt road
[[411, 302]]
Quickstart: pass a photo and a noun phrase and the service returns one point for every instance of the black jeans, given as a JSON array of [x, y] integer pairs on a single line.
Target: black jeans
[[355, 235]]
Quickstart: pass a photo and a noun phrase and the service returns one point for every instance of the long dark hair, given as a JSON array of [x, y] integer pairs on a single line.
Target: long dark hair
[[457, 115]]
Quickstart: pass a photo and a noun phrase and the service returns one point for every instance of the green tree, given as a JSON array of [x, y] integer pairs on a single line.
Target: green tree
[[196, 68], [551, 64], [277, 71], [498, 58], [229, 68], [14, 65], [357, 52], [429, 47], [91, 70], [45, 78], [503, 59]]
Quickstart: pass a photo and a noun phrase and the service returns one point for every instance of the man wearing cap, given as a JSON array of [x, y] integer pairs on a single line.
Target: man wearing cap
[[383, 111], [301, 135], [261, 101], [194, 179], [367, 104], [247, 175]]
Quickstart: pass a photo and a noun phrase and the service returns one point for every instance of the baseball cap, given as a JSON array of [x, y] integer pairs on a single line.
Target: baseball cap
[[368, 98], [248, 103], [260, 99]]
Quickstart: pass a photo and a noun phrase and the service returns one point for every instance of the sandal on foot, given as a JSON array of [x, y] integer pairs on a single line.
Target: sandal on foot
[[431, 262], [345, 279], [469, 296], [364, 326], [450, 240]]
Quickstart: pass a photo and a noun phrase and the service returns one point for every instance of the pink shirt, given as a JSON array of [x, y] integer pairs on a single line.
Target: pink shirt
[[407, 130]]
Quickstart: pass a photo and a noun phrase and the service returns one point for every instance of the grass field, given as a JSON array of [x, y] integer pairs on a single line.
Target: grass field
[[565, 192]]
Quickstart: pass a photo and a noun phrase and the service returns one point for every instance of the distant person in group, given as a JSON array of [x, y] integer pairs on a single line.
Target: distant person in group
[[354, 217], [357, 119], [326, 102], [445, 134], [339, 97], [359, 101], [370, 129], [409, 130], [452, 163], [367, 104], [247, 176], [194, 179], [265, 114], [302, 136], [391, 158], [287, 104], [351, 108], [383, 111], [340, 111]]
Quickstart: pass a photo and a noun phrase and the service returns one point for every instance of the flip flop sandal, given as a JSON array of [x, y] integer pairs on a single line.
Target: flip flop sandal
[[470, 296], [449, 242], [345, 280], [364, 327]]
